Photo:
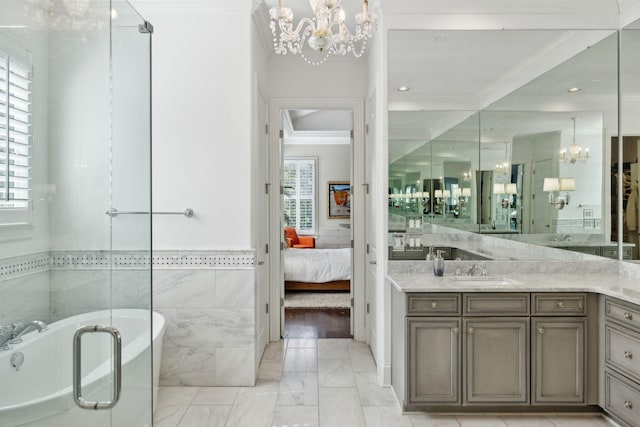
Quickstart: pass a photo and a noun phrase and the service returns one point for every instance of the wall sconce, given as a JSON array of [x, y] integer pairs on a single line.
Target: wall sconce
[[553, 185]]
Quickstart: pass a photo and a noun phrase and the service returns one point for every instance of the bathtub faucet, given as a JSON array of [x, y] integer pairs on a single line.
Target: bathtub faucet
[[13, 334]]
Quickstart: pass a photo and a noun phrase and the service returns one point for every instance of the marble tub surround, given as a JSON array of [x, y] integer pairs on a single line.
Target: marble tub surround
[[207, 298]]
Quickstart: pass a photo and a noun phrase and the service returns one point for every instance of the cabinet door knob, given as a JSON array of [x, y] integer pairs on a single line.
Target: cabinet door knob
[[628, 404], [560, 304], [541, 330], [628, 316], [455, 330], [628, 355], [470, 330], [434, 305]]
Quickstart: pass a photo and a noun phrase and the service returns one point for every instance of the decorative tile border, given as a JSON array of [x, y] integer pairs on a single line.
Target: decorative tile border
[[23, 265], [162, 260]]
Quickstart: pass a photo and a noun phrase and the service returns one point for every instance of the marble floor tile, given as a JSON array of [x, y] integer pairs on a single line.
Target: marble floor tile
[[371, 394], [579, 420], [430, 420], [335, 373], [527, 421], [205, 416], [298, 388], [289, 416], [362, 360], [340, 406], [480, 421], [301, 360], [216, 396], [304, 389], [385, 416], [302, 343], [275, 350], [270, 369], [172, 404], [254, 406], [333, 348]]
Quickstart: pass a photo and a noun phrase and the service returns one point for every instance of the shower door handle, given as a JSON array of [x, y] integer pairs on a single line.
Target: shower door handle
[[77, 367]]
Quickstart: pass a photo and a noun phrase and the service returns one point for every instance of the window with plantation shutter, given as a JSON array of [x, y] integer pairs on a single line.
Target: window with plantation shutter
[[300, 194], [15, 133]]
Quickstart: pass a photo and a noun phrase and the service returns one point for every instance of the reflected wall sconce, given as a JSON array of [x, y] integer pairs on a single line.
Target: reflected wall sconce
[[509, 188], [575, 153], [555, 185]]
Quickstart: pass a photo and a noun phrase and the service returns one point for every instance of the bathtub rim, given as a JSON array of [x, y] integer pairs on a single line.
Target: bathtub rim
[[158, 325]]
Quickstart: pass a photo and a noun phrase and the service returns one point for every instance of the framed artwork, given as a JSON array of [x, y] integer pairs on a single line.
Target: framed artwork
[[339, 199]]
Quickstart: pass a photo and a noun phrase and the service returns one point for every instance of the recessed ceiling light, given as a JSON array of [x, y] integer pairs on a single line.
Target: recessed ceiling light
[[439, 39], [573, 89], [403, 89]]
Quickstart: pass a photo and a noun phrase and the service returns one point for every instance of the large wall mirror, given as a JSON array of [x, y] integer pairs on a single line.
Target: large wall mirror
[[521, 143]]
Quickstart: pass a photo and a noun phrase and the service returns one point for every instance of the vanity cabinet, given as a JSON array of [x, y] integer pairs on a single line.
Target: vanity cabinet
[[558, 348], [494, 349], [622, 360], [496, 363]]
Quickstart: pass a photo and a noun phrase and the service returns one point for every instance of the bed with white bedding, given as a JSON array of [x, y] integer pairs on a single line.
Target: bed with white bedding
[[317, 269]]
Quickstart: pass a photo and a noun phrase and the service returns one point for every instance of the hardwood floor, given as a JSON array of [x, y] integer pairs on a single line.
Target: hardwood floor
[[317, 323]]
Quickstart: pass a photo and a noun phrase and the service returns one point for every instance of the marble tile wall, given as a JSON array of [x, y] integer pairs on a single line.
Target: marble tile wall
[[207, 298], [210, 337]]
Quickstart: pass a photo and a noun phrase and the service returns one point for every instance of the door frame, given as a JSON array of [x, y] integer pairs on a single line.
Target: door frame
[[276, 275]]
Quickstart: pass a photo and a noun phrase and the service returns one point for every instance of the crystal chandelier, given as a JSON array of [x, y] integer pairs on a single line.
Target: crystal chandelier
[[67, 15], [325, 33], [575, 152]]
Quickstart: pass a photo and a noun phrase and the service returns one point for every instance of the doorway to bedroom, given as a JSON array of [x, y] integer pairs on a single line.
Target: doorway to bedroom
[[316, 164]]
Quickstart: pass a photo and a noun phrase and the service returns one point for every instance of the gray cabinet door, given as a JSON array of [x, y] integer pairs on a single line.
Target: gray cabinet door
[[496, 360], [558, 360], [434, 360]]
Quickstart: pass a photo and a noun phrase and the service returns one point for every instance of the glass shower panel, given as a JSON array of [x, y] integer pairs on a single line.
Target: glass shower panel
[[88, 147], [131, 197]]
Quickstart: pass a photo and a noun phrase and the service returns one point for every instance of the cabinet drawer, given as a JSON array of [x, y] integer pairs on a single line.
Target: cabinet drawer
[[622, 350], [622, 398], [506, 304], [626, 314], [555, 304], [433, 304]]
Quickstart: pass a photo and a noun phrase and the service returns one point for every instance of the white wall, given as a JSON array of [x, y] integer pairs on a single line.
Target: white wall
[[334, 164], [338, 77], [202, 84]]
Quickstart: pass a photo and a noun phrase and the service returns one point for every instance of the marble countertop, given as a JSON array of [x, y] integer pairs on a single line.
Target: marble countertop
[[624, 288]]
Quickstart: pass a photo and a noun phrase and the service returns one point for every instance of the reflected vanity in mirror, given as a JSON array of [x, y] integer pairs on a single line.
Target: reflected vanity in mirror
[[531, 164]]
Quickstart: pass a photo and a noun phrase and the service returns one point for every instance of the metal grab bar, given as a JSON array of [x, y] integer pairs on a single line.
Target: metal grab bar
[[114, 212], [77, 368]]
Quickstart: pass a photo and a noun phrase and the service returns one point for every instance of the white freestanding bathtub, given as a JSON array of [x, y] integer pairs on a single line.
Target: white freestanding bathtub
[[40, 391]]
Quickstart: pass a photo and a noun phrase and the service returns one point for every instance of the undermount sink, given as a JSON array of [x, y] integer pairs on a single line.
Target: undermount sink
[[485, 280]]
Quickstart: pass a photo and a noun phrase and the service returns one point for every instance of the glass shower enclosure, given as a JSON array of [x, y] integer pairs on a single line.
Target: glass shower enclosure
[[76, 323]]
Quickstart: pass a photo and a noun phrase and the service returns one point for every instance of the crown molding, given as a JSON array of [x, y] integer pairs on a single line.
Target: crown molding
[[191, 5]]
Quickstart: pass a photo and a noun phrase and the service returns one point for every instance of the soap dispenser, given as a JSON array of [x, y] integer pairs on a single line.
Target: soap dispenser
[[438, 264]]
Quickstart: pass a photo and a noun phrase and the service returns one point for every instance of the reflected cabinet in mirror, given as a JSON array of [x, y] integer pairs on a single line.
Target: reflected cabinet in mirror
[[517, 145]]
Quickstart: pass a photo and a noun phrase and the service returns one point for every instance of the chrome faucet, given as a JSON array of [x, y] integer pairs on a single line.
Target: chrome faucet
[[565, 237], [13, 334]]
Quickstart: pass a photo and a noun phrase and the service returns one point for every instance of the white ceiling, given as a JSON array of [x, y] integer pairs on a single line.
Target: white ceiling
[[459, 70]]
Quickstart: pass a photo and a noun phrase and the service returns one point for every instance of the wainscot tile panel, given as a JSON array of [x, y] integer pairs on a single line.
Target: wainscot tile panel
[[207, 298], [24, 298]]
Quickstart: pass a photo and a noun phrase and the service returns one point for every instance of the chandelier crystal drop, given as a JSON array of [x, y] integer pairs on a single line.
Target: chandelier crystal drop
[[325, 33]]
